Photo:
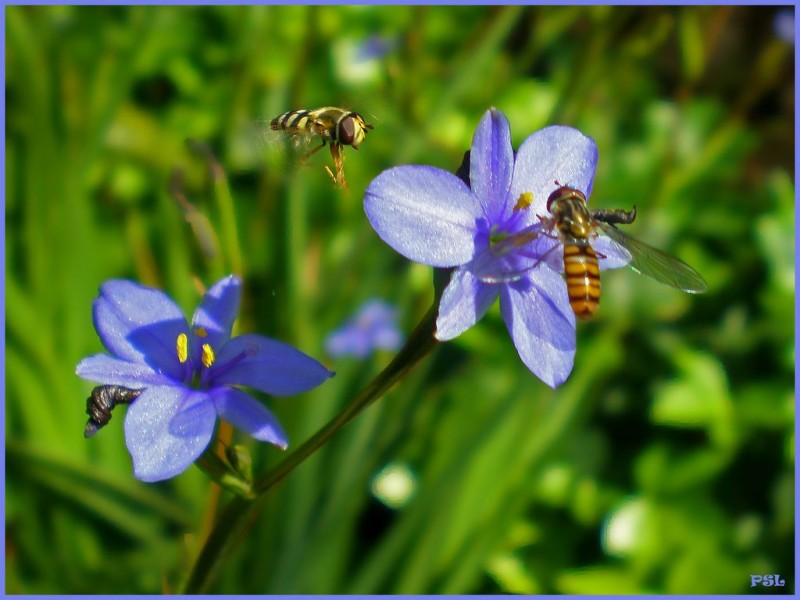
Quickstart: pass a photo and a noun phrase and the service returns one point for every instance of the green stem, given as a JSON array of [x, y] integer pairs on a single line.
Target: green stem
[[227, 219], [238, 515]]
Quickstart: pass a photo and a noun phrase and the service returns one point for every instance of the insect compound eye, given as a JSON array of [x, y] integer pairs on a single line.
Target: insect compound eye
[[347, 130], [553, 197], [563, 193]]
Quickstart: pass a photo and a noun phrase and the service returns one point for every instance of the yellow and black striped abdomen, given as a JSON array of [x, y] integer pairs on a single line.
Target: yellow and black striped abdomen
[[583, 279], [294, 120]]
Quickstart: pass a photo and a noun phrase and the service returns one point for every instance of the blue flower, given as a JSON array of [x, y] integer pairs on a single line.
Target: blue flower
[[783, 25], [189, 375], [491, 232], [376, 47], [373, 327]]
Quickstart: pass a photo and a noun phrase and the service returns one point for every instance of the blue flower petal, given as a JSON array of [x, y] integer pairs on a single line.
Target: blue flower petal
[[144, 330], [491, 163], [193, 414], [218, 310], [267, 365], [348, 341], [387, 337], [107, 370], [424, 213], [541, 324], [244, 412], [373, 327], [555, 153], [464, 302], [157, 452]]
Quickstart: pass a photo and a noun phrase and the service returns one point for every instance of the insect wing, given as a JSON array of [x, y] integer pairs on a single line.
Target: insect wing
[[511, 258], [300, 141], [656, 264], [281, 150]]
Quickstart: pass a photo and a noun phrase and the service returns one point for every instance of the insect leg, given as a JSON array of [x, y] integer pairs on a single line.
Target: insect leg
[[338, 162], [312, 152]]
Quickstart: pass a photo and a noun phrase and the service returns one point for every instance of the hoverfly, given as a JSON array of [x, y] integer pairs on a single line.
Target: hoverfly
[[336, 127], [575, 226], [101, 402]]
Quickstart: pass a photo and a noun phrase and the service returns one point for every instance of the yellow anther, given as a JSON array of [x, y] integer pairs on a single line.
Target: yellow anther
[[524, 201], [207, 356], [200, 332], [182, 347]]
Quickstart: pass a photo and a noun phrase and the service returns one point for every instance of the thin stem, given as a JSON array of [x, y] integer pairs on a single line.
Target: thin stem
[[239, 514]]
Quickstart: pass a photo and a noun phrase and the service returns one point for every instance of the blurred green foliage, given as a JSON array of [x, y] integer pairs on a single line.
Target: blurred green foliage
[[664, 465]]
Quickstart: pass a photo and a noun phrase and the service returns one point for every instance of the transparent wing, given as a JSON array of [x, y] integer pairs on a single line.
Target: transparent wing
[[280, 150], [656, 264], [268, 139], [513, 257]]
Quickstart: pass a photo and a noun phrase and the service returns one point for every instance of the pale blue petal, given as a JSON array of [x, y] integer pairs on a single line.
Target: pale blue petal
[[193, 414], [426, 214], [248, 414], [157, 452], [135, 322], [266, 365], [218, 310], [491, 163], [373, 327], [348, 341], [108, 370], [541, 324], [464, 302], [555, 153], [387, 337]]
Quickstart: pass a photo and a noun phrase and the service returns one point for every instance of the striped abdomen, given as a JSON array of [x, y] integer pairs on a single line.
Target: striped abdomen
[[294, 120], [583, 279]]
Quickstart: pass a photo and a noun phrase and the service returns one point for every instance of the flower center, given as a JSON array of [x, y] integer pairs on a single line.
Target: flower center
[[499, 233], [496, 236], [524, 201], [182, 347], [207, 355]]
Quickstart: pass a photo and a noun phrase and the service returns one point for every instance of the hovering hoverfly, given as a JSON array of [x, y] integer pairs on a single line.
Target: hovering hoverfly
[[336, 127], [101, 402], [575, 226]]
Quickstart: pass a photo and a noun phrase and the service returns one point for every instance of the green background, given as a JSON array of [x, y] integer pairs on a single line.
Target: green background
[[665, 464]]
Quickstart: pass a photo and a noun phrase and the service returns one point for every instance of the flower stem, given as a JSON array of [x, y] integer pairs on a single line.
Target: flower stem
[[239, 514]]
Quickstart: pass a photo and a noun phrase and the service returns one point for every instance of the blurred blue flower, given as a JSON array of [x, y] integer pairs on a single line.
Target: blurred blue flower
[[374, 327], [188, 374], [489, 230], [783, 24], [361, 61], [376, 47]]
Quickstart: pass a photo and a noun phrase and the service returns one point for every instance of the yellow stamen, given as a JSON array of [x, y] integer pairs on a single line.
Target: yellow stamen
[[182, 346], [207, 356], [200, 332], [524, 201]]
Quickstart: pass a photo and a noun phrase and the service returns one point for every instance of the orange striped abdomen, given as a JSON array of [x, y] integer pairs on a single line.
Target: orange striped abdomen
[[583, 279]]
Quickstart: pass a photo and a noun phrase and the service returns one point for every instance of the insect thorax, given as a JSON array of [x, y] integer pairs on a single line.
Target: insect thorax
[[572, 217]]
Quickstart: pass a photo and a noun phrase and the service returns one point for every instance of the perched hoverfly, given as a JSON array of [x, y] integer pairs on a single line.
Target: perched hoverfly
[[102, 401], [575, 226], [336, 127]]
